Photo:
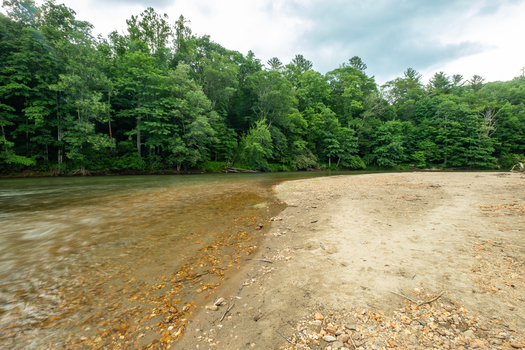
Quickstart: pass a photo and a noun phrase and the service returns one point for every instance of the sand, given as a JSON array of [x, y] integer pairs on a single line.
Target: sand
[[350, 241]]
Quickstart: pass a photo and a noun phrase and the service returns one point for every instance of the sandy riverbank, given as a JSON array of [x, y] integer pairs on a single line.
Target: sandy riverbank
[[346, 243]]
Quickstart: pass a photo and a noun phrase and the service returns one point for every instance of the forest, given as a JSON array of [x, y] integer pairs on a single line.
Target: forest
[[161, 98]]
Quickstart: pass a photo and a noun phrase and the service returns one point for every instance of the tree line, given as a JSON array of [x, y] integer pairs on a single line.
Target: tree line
[[160, 97]]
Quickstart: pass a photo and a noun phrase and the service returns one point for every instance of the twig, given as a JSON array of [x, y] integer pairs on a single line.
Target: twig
[[401, 291], [223, 316], [414, 276], [404, 296], [432, 300], [263, 260], [415, 302], [288, 340], [353, 343]]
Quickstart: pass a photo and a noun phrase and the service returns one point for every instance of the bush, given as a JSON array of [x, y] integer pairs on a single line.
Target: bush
[[356, 163], [280, 167], [213, 167]]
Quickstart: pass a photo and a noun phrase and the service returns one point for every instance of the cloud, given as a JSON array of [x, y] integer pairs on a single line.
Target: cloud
[[389, 36], [144, 3]]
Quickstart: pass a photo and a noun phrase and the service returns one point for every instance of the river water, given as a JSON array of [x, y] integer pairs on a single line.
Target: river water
[[122, 262]]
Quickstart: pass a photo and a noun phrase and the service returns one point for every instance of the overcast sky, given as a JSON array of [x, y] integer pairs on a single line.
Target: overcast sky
[[483, 37]]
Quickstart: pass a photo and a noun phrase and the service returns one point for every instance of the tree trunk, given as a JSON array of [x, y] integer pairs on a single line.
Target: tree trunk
[[59, 132], [109, 123], [27, 138], [59, 138], [138, 136], [329, 162], [5, 138]]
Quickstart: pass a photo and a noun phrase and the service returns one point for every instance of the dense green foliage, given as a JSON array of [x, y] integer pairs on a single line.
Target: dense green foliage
[[162, 98]]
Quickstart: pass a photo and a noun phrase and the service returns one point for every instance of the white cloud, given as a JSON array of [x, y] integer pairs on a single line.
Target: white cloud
[[456, 36]]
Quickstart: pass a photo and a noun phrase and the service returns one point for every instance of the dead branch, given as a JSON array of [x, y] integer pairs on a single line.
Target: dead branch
[[432, 300], [522, 168], [223, 316], [288, 340], [416, 302], [229, 169], [401, 291], [405, 297]]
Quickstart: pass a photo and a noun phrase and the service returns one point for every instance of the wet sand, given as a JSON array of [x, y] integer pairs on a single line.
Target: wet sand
[[348, 242]]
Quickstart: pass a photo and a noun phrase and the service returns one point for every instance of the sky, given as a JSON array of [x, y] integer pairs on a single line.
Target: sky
[[467, 37]]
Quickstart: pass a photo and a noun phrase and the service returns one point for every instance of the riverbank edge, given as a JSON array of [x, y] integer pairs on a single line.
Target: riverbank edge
[[263, 333], [32, 173]]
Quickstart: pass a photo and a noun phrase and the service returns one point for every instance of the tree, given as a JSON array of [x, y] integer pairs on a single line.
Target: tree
[[23, 11], [274, 96], [152, 29], [275, 64], [349, 87], [182, 33], [137, 85], [476, 82], [256, 145], [331, 146], [301, 63], [357, 63], [440, 83], [220, 79], [390, 144], [457, 80]]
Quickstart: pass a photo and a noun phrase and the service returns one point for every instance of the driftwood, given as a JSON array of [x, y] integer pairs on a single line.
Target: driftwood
[[522, 168], [82, 171], [229, 169], [223, 316]]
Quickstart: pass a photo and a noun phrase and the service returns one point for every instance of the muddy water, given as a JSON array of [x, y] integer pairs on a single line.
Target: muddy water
[[122, 262]]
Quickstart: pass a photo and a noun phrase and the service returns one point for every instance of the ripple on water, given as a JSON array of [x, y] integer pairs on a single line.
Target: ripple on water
[[77, 248]]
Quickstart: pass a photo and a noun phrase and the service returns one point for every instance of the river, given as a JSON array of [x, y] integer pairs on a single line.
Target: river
[[113, 261]]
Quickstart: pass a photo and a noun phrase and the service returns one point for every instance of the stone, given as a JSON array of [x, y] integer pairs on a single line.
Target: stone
[[343, 338], [468, 334], [318, 317], [331, 329], [329, 338], [337, 345], [516, 345], [212, 307], [456, 319]]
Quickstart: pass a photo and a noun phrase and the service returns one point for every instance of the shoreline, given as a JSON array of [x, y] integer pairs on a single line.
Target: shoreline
[[49, 174], [348, 242]]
